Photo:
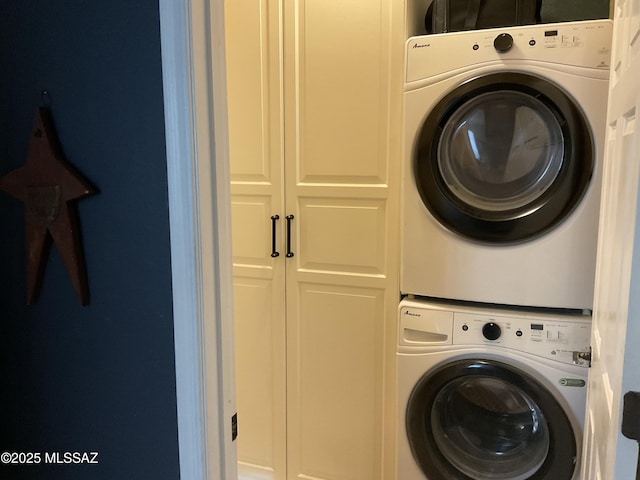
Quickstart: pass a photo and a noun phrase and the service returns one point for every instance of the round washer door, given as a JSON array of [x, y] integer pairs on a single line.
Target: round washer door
[[487, 420], [503, 158]]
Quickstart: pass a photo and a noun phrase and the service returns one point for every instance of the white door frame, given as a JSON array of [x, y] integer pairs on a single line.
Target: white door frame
[[193, 69]]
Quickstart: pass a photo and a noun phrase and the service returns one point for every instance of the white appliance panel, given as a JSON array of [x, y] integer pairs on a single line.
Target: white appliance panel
[[555, 269], [532, 353]]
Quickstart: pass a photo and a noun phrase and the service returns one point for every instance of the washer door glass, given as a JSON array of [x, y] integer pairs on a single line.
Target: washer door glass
[[501, 151], [482, 419], [488, 428]]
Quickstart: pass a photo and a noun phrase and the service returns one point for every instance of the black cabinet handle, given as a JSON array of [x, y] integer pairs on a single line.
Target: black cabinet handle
[[274, 252], [289, 252]]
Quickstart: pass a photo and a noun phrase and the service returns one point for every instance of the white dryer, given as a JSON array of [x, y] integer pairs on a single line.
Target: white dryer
[[489, 394], [504, 132]]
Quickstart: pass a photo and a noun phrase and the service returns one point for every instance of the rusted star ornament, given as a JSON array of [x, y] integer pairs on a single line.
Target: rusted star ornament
[[49, 186]]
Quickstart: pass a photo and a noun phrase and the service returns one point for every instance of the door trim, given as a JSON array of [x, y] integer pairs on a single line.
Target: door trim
[[192, 45]]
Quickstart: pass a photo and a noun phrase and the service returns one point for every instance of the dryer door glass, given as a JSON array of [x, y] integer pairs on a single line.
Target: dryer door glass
[[500, 151], [503, 158]]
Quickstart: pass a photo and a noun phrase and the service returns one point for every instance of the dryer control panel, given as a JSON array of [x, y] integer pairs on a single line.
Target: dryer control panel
[[580, 44], [562, 338]]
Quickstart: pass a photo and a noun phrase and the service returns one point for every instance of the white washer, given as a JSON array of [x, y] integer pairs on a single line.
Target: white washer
[[504, 132], [474, 408]]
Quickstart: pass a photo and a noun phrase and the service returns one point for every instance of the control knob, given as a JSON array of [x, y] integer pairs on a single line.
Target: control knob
[[491, 331], [503, 42]]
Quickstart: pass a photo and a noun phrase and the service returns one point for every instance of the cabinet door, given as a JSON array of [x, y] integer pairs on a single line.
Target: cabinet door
[[254, 108], [343, 65]]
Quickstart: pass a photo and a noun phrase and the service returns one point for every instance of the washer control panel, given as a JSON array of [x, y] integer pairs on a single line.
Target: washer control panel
[[563, 340]]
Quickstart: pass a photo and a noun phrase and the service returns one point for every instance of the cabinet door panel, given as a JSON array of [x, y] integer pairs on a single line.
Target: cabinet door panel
[[260, 372], [336, 398], [251, 231], [341, 94], [253, 90], [342, 235]]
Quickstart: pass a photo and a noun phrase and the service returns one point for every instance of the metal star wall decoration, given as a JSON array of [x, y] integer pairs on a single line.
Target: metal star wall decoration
[[48, 185]]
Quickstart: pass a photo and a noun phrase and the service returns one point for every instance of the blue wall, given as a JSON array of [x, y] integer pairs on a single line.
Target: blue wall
[[98, 378]]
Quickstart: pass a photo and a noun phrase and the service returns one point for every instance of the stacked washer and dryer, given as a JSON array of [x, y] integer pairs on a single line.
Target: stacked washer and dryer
[[502, 171]]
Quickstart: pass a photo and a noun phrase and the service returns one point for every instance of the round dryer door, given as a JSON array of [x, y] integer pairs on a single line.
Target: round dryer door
[[486, 420], [503, 158]]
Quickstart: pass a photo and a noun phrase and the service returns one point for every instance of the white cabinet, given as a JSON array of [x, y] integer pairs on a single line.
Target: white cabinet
[[315, 91]]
